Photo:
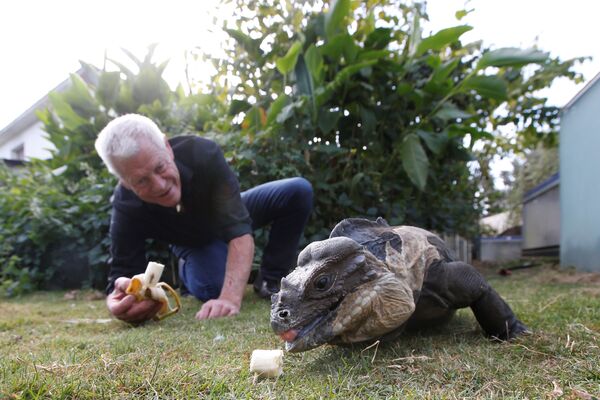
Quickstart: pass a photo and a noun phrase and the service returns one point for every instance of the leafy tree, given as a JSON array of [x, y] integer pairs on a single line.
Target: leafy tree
[[382, 120]]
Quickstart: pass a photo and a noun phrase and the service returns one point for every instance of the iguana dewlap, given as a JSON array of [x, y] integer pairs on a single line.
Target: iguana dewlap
[[148, 286]]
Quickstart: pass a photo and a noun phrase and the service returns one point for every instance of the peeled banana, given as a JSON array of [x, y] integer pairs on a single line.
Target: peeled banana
[[147, 286], [267, 363]]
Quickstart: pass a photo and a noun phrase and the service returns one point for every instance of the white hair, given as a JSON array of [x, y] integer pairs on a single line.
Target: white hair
[[121, 137]]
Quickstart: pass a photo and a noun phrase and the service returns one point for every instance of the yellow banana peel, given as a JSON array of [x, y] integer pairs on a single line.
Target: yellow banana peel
[[147, 286]]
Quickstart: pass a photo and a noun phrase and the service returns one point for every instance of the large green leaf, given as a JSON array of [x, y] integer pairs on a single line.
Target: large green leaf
[[136, 60], [238, 106], [414, 160], [368, 120], [443, 71], [440, 82], [434, 141], [288, 111], [414, 35], [252, 46], [80, 98], [314, 63], [462, 130], [451, 112], [442, 39], [287, 63], [372, 55], [341, 78], [379, 39], [328, 119], [254, 121], [487, 86], [341, 45], [335, 19], [305, 84], [366, 26], [355, 182], [276, 108], [511, 57], [108, 88], [65, 113]]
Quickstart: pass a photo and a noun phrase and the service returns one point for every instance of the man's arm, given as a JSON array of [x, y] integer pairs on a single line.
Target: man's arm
[[127, 258], [240, 252]]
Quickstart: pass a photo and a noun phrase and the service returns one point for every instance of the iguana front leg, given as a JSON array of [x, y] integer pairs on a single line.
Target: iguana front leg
[[461, 285]]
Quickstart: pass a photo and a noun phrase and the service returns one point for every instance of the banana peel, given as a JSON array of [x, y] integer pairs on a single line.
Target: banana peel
[[147, 286]]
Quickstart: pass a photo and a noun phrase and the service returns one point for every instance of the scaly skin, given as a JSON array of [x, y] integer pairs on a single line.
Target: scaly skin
[[370, 280]]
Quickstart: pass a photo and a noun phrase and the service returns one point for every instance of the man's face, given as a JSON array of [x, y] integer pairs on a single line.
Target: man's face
[[152, 175]]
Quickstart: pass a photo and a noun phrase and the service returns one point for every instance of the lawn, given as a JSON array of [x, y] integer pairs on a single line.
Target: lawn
[[57, 347]]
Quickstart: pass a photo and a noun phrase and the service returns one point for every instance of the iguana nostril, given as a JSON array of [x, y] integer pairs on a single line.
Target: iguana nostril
[[283, 314]]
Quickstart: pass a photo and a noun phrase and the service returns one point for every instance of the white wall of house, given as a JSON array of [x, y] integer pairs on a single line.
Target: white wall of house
[[24, 138], [31, 139]]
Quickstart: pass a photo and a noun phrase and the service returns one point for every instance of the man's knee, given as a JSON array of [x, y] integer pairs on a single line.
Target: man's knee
[[301, 192]]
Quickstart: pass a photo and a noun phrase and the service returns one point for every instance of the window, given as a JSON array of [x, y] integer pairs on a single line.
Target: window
[[18, 153]]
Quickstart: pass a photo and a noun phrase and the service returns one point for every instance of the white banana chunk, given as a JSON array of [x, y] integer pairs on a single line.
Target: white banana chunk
[[148, 286], [267, 363], [153, 273]]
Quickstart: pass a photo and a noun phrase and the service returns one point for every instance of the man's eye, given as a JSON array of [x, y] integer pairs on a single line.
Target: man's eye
[[160, 168], [142, 182]]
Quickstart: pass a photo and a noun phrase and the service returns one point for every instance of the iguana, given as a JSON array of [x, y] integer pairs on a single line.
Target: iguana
[[370, 280]]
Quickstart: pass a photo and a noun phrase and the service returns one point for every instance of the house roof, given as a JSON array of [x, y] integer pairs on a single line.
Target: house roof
[[497, 222], [28, 117], [12, 163], [582, 92], [543, 187]]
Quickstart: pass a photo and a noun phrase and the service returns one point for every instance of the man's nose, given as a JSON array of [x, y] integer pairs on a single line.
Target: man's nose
[[159, 184]]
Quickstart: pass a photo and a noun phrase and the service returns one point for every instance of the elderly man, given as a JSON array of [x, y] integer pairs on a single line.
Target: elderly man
[[182, 191]]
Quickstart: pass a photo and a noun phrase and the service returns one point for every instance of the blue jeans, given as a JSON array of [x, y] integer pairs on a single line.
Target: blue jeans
[[285, 205]]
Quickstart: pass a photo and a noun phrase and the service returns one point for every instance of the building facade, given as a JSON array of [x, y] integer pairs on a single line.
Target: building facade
[[24, 138], [580, 180]]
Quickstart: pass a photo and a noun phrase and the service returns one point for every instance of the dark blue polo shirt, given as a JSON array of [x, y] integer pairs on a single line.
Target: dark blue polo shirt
[[211, 208]]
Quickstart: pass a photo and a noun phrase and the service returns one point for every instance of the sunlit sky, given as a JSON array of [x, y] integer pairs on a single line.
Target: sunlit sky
[[42, 41]]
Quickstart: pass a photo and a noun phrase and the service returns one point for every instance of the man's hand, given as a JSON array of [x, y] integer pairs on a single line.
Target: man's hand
[[217, 308], [124, 306]]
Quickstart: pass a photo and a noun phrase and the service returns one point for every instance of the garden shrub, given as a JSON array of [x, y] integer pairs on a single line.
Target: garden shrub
[[380, 119]]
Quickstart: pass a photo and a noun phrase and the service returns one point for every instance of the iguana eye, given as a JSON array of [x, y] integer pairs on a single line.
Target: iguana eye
[[323, 282]]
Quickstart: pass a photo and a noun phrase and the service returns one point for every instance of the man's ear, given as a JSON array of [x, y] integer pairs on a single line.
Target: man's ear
[[169, 149], [124, 184]]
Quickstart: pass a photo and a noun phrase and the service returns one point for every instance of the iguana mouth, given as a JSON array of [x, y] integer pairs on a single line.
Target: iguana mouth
[[293, 337]]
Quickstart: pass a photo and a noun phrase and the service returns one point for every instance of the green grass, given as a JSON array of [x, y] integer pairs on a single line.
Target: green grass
[[44, 355]]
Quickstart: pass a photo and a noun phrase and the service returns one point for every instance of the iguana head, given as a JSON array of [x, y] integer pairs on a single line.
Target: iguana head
[[312, 308]]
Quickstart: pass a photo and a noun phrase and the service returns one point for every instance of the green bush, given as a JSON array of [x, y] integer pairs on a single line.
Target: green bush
[[381, 120], [56, 212], [50, 223]]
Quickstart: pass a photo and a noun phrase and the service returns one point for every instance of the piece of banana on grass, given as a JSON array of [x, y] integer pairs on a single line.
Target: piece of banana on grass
[[147, 286], [267, 363]]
